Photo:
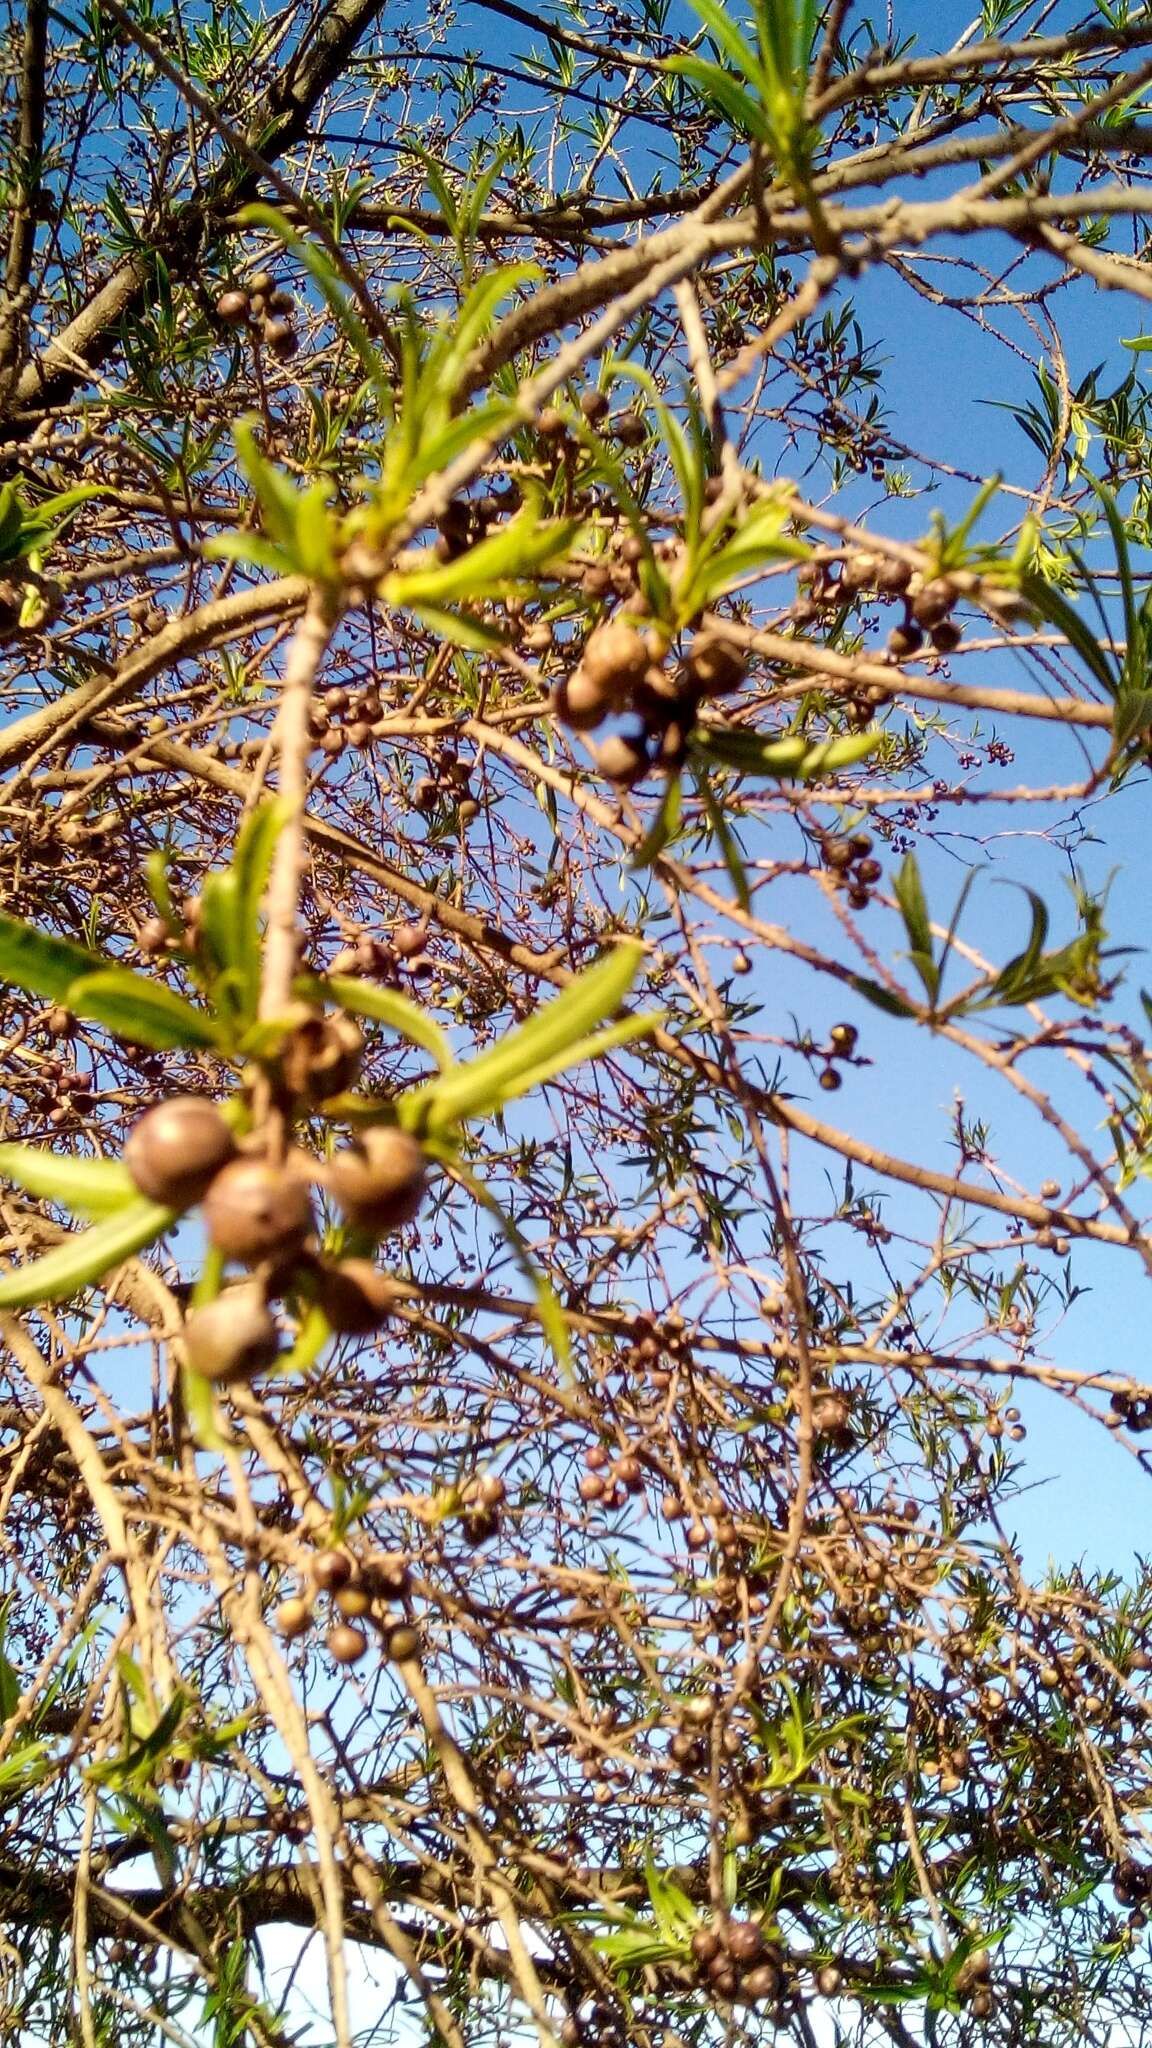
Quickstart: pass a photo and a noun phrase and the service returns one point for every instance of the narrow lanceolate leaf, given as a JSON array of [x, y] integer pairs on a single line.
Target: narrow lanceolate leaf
[[499, 1076], [35, 960], [139, 1011], [92, 1187], [89, 1256], [384, 1005]]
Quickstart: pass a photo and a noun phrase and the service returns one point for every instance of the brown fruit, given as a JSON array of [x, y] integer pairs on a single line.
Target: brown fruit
[[232, 307], [293, 1616], [254, 1209], [629, 429], [844, 1037], [346, 1645], [282, 339], [355, 1296], [762, 1982], [402, 1643], [712, 667], [829, 1078], [359, 733], [353, 1601], [232, 1338], [390, 1572], [705, 1946], [380, 1182], [622, 759], [551, 424], [594, 405], [176, 1150], [331, 1569], [616, 656], [581, 703], [262, 282], [745, 1941], [828, 1980], [904, 640], [408, 939], [932, 604], [320, 1056], [838, 853], [152, 936]]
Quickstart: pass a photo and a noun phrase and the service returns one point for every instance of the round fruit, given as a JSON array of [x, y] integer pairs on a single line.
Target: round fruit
[[331, 1569], [380, 1182], [403, 1643], [176, 1150], [843, 1037], [581, 703], [232, 308], [594, 405], [355, 1297], [932, 605], [828, 1980], [253, 1209], [830, 1078], [762, 1982], [232, 1338], [705, 1945], [838, 853], [616, 656], [293, 1616], [346, 1645], [353, 1601], [623, 760], [745, 1941], [713, 667], [263, 282]]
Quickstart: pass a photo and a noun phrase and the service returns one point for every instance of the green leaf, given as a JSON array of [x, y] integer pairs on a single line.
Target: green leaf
[[140, 1012], [1132, 717], [35, 960], [909, 892], [63, 1272], [93, 1187], [880, 997], [1054, 606], [664, 827], [498, 1076], [383, 1005], [727, 841]]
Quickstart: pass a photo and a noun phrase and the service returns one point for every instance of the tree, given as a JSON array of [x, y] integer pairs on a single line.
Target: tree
[[500, 1476]]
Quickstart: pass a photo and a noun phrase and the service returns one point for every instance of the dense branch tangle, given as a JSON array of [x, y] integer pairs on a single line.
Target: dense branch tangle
[[701, 1680]]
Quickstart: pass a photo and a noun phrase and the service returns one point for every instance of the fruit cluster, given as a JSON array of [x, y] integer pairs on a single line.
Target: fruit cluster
[[357, 1592], [265, 310], [736, 1961], [852, 866], [623, 670], [258, 1212]]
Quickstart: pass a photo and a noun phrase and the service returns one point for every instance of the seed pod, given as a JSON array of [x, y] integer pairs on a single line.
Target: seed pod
[[581, 703], [762, 1982], [293, 1616], [355, 1296], [714, 668], [254, 1209], [745, 1941], [623, 759], [946, 637], [176, 1150], [905, 640], [281, 337], [828, 1980], [262, 282], [830, 1078], [932, 604], [359, 733], [616, 656], [232, 307], [551, 425], [320, 1056], [353, 1601], [389, 1573], [331, 1569], [705, 1946], [402, 1643], [629, 429], [380, 1182], [346, 1645], [232, 1338], [844, 1037], [408, 939], [594, 405]]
